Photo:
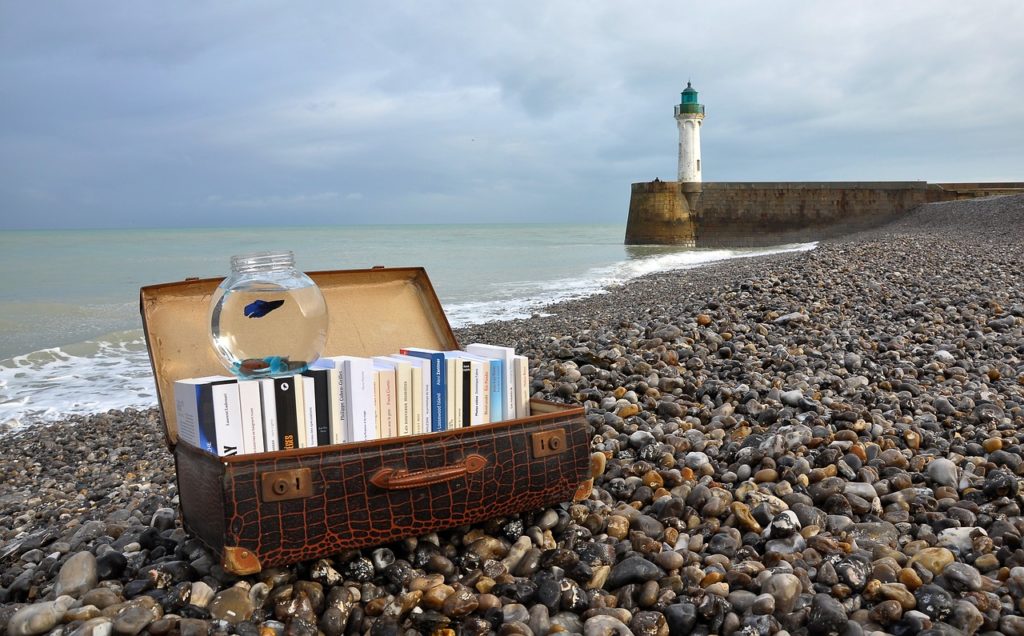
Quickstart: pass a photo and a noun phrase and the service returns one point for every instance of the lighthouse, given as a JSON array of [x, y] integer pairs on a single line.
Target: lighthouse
[[689, 116]]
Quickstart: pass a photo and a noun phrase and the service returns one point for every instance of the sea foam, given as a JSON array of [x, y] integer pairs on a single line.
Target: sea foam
[[113, 371]]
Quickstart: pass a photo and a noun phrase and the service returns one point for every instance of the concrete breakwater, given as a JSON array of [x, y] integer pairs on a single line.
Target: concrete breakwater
[[735, 214]]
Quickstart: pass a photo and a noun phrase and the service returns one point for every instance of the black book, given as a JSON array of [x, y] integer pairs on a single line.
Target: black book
[[467, 391], [322, 392], [287, 416]]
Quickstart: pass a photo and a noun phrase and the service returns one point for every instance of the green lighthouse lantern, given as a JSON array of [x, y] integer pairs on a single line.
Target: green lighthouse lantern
[[688, 102]]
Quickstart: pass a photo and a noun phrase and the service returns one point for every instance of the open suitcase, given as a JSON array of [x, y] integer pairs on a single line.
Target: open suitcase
[[270, 509]]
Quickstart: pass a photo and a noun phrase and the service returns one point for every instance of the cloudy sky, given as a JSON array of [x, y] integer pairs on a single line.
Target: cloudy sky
[[151, 114]]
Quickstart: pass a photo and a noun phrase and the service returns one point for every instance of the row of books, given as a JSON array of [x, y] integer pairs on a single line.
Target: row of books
[[350, 399]]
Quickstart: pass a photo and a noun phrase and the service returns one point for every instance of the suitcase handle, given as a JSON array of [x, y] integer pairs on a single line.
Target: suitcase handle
[[399, 479]]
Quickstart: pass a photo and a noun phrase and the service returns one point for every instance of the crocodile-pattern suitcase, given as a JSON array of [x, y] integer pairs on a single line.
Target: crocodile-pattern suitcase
[[270, 509]]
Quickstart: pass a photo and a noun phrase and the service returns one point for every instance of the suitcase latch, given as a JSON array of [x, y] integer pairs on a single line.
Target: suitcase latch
[[287, 484], [547, 443]]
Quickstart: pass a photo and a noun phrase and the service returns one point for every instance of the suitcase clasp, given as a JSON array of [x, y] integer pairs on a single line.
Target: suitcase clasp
[[281, 485], [547, 443]]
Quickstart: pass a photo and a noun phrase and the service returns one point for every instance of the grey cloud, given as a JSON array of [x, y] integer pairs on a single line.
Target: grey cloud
[[224, 113]]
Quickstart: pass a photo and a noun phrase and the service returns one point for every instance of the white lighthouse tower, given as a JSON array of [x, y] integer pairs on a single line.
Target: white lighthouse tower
[[689, 116]]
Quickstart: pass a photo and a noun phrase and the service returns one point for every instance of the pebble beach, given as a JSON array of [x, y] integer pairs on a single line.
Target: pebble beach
[[823, 442]]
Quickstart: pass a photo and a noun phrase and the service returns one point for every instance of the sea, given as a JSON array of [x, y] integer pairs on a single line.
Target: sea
[[71, 339]]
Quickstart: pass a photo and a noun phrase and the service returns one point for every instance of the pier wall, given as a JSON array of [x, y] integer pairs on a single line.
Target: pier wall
[[737, 214], [658, 215]]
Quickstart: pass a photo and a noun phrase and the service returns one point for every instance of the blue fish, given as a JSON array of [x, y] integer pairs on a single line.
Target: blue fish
[[260, 308]]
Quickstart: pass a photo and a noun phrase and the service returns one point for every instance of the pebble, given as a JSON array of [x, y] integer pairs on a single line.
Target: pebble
[[819, 442], [77, 576], [38, 618]]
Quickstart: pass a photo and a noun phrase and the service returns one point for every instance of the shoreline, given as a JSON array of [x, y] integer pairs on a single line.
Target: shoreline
[[824, 440]]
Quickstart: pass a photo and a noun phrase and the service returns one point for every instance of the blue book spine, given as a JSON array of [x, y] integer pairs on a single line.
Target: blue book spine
[[207, 423], [497, 391], [438, 387]]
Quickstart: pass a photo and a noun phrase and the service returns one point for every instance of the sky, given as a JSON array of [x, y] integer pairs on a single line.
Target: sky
[[251, 113]]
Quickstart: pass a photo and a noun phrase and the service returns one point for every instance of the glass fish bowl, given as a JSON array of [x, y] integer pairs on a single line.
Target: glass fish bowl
[[267, 319]]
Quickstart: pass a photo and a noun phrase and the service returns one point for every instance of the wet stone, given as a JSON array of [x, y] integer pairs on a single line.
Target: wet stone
[[38, 618], [77, 576], [632, 570]]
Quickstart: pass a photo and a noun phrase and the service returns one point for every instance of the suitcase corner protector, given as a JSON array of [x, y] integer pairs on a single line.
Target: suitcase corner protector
[[240, 561]]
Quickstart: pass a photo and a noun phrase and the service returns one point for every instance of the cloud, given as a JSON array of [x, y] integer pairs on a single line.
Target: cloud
[[456, 111]]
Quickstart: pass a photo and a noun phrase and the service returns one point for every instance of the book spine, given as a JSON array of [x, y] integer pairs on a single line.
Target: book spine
[[271, 440], [485, 391], [438, 384], [321, 404], [454, 371], [388, 403], [360, 399], [227, 417], [310, 411], [506, 355], [416, 384], [252, 416], [186, 408], [476, 374], [467, 392], [340, 431], [403, 393], [207, 421], [287, 419], [497, 397], [522, 371]]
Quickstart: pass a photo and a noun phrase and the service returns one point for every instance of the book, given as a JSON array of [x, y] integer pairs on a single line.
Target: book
[[300, 412], [496, 391], [250, 400], [422, 392], [456, 380], [310, 404], [227, 416], [478, 388], [506, 355], [521, 372], [357, 388], [438, 385], [403, 391], [271, 440], [288, 408], [193, 403], [324, 404], [387, 404], [332, 370]]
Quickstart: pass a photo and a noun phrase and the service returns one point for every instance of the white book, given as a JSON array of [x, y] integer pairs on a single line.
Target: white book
[[194, 408], [506, 355], [421, 403], [336, 395], [453, 369], [357, 386], [251, 403], [479, 388], [309, 410], [270, 439], [387, 404], [227, 415], [299, 392], [453, 395], [337, 407], [403, 391], [522, 381]]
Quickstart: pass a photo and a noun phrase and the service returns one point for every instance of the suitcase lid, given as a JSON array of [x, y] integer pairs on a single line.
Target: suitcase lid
[[370, 312]]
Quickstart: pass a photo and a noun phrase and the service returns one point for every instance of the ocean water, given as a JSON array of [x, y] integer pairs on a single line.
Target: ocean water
[[70, 333]]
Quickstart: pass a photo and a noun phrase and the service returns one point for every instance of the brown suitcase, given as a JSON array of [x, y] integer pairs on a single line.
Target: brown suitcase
[[270, 509]]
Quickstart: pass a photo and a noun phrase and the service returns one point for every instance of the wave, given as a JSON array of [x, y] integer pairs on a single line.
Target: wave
[[511, 301], [113, 371]]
